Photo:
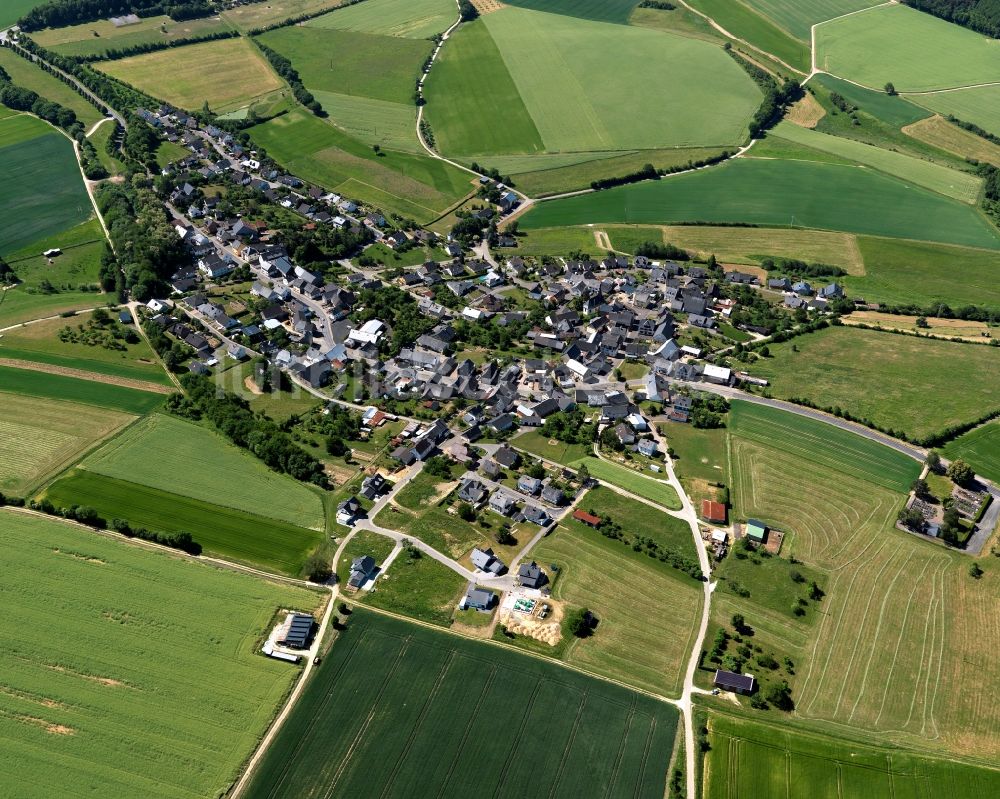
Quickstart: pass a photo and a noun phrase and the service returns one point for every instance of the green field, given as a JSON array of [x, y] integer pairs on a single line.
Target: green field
[[88, 392], [96, 38], [798, 16], [755, 759], [13, 9], [38, 437], [229, 75], [651, 488], [813, 195], [980, 448], [389, 125], [420, 588], [913, 50], [412, 706], [980, 106], [600, 10], [896, 111], [962, 186], [99, 138], [196, 462], [29, 76], [744, 22], [44, 189], [534, 442], [102, 640], [410, 19], [225, 532], [824, 445], [412, 185], [254, 16], [886, 378]]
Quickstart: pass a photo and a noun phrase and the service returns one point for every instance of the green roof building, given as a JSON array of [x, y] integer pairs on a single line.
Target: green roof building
[[756, 530]]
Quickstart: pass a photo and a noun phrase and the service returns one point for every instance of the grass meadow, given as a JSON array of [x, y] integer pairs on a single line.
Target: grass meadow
[[887, 378], [980, 448], [617, 11], [651, 488], [12, 11], [798, 16], [96, 38], [895, 111], [412, 707], [107, 689], [939, 132], [39, 437], [44, 189], [750, 758], [811, 195], [229, 533], [980, 105], [743, 21], [534, 442], [89, 392], [29, 76], [915, 51], [196, 462], [261, 15], [228, 75], [409, 19], [420, 588]]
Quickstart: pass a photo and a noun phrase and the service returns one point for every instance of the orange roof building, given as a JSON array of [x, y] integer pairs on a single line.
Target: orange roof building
[[713, 511]]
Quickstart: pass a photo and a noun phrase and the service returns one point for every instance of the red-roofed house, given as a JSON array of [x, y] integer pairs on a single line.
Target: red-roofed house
[[713, 511]]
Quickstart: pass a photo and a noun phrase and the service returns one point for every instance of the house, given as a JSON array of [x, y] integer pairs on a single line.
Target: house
[[535, 515], [296, 630], [485, 560], [490, 468], [831, 291], [479, 599], [552, 495], [624, 434], [587, 518], [507, 457], [756, 531], [362, 569], [529, 485], [802, 288], [530, 575], [737, 683], [718, 374], [502, 503], [712, 511], [648, 448], [471, 491], [372, 486], [348, 511]]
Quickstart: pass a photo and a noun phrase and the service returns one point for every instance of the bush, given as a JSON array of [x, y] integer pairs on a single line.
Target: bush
[[318, 569], [578, 622]]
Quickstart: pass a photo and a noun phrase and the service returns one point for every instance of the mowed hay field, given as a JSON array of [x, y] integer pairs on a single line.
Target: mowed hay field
[[899, 382], [174, 455], [228, 74], [413, 19], [261, 15], [97, 38], [980, 105], [635, 642], [119, 663], [902, 628], [38, 437], [798, 16], [770, 192], [754, 759], [913, 50], [44, 191], [980, 448], [397, 710], [939, 132]]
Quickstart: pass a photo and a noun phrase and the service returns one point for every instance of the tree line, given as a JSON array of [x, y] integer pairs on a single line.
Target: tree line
[[796, 268], [979, 15], [776, 98], [116, 53], [59, 13], [284, 68]]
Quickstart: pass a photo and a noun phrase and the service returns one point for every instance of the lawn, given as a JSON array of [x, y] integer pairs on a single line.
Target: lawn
[[751, 758], [980, 105], [420, 588], [744, 22], [228, 75], [99, 37], [913, 50], [29, 76], [89, 392], [538, 444], [823, 444], [700, 454], [262, 15], [798, 16], [98, 690], [650, 488], [893, 385], [438, 528], [574, 76], [415, 186], [962, 186], [412, 707], [812, 195], [39, 437], [196, 462], [410, 19], [44, 189], [980, 448], [939, 132], [636, 642], [229, 533]]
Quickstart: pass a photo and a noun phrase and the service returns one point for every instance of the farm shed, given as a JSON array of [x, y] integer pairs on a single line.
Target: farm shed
[[713, 511], [756, 531], [587, 518], [296, 630], [737, 683]]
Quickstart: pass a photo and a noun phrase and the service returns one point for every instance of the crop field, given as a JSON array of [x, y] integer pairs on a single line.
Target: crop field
[[410, 19], [617, 11], [89, 392], [39, 437], [415, 186], [261, 15], [99, 696], [12, 11], [358, 730], [980, 448], [749, 758], [798, 16], [892, 385], [96, 38], [390, 125], [895, 111], [44, 190], [780, 193], [962, 186], [650, 488], [915, 51], [229, 533], [939, 132], [228, 75], [196, 462], [824, 445], [29, 76], [980, 105], [576, 101], [747, 23]]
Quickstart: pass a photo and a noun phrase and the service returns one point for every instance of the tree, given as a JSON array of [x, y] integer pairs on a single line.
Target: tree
[[975, 571], [577, 622], [921, 489], [960, 472], [765, 351], [780, 695], [536, 470], [739, 623], [318, 568], [890, 89], [912, 519], [815, 592], [933, 460], [922, 322], [438, 466], [466, 512], [583, 473]]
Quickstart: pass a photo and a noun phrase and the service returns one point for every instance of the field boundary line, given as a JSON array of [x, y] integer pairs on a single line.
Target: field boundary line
[[135, 384]]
